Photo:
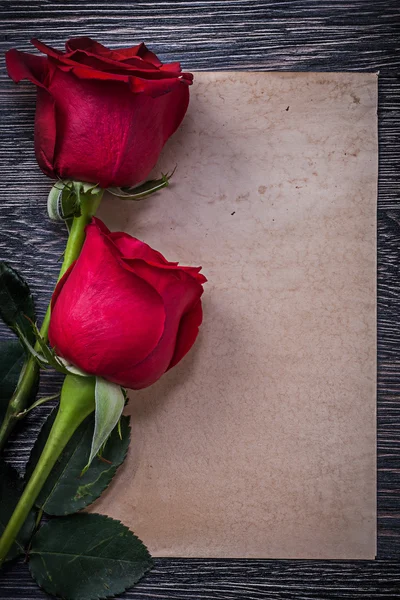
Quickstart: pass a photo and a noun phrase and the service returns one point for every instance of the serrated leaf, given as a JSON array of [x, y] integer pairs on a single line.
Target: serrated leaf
[[12, 358], [10, 491], [16, 302], [87, 557], [65, 490], [110, 402]]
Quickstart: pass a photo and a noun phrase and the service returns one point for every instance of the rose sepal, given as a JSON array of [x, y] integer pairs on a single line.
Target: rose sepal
[[109, 397], [46, 356], [76, 403], [110, 402], [66, 197], [143, 190]]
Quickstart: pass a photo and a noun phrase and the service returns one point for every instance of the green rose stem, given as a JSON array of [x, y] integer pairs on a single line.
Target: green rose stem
[[77, 402], [21, 397]]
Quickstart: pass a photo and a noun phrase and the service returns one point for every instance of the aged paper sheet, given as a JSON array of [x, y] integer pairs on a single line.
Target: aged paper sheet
[[261, 442]]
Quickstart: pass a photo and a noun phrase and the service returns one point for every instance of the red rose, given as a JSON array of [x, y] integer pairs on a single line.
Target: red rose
[[102, 115], [123, 312]]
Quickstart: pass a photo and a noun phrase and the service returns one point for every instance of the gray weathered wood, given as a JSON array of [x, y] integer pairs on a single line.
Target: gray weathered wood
[[336, 35]]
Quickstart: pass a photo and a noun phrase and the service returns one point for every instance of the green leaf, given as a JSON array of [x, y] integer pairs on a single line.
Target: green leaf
[[16, 302], [10, 491], [110, 402], [65, 490], [12, 357], [87, 557]]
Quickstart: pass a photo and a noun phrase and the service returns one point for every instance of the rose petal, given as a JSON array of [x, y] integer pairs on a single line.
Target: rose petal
[[175, 269], [121, 54], [187, 333], [61, 284], [99, 63], [137, 61], [21, 65], [179, 297], [99, 332], [45, 131], [86, 43], [114, 137], [145, 54], [131, 247], [157, 87], [136, 66], [45, 49]]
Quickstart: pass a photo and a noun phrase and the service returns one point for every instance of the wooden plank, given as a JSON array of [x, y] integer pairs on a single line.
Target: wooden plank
[[335, 35]]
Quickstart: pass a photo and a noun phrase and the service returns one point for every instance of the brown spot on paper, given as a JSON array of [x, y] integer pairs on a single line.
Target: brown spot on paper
[[261, 442]]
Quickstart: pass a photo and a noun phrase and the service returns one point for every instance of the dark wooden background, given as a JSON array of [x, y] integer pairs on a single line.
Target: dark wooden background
[[316, 35]]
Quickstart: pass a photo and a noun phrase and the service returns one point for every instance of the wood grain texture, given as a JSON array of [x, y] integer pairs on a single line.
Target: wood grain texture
[[357, 35]]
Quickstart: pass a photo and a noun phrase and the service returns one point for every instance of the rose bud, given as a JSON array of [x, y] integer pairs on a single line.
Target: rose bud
[[123, 312], [102, 116]]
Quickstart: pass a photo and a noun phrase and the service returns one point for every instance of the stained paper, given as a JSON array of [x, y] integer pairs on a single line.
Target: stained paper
[[261, 442]]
